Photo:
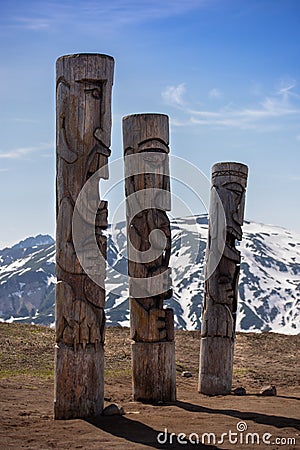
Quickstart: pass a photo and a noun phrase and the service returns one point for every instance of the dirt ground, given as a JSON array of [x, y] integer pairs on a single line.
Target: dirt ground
[[26, 396]]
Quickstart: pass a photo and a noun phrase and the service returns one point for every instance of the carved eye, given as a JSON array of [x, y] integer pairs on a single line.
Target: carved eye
[[96, 94], [224, 279], [234, 187]]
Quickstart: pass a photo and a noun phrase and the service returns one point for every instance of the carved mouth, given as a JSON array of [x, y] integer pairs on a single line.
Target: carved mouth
[[231, 252], [234, 250], [236, 233]]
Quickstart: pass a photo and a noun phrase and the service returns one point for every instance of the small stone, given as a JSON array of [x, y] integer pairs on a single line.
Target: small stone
[[186, 374], [268, 391], [113, 410], [239, 391]]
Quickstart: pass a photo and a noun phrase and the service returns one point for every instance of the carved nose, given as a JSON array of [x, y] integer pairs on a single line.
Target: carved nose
[[238, 217]]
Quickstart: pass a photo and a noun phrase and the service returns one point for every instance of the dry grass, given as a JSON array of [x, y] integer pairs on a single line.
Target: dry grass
[[259, 358], [26, 349]]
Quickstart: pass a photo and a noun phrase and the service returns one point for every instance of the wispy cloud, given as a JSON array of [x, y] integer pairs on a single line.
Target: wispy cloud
[[139, 11], [173, 95], [22, 152], [215, 93], [41, 16], [286, 89], [284, 103], [32, 23]]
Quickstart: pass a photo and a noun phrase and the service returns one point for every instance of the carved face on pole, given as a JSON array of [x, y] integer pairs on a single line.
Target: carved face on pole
[[84, 118], [149, 143], [220, 288], [226, 219], [83, 140], [222, 268], [147, 184], [229, 180]]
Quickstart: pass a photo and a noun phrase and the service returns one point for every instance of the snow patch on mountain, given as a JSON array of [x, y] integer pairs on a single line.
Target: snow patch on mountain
[[269, 287]]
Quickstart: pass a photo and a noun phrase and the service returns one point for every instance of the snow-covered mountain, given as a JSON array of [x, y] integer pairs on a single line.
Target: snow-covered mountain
[[269, 285], [27, 281]]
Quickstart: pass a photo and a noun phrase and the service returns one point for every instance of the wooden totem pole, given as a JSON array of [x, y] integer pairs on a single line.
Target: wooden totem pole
[[83, 126], [227, 203], [147, 187]]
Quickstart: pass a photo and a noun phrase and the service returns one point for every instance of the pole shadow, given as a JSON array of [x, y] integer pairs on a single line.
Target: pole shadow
[[265, 419], [280, 396], [140, 433]]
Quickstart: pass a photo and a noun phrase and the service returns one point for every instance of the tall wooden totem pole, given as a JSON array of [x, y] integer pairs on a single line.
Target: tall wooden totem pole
[[83, 124], [227, 203], [147, 186]]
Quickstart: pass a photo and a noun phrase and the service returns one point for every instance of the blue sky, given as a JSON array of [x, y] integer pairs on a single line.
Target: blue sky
[[225, 71]]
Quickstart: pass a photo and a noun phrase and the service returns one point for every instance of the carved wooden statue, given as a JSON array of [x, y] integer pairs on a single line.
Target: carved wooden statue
[[227, 203], [83, 115], [147, 186]]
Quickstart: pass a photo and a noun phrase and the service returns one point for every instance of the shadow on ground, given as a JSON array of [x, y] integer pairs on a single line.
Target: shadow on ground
[[139, 433]]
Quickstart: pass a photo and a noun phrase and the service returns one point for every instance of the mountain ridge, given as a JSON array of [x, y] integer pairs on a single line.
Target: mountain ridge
[[269, 287]]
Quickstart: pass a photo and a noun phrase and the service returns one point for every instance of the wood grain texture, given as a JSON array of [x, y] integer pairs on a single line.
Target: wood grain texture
[[154, 371], [147, 188], [79, 383], [226, 216], [83, 129]]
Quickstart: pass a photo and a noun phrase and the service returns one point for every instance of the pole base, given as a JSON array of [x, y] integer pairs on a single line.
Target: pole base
[[216, 361], [154, 371], [79, 381]]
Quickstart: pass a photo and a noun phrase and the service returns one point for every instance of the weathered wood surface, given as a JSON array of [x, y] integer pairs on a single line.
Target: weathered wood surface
[[79, 381], [83, 127], [147, 188], [226, 215], [154, 371]]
